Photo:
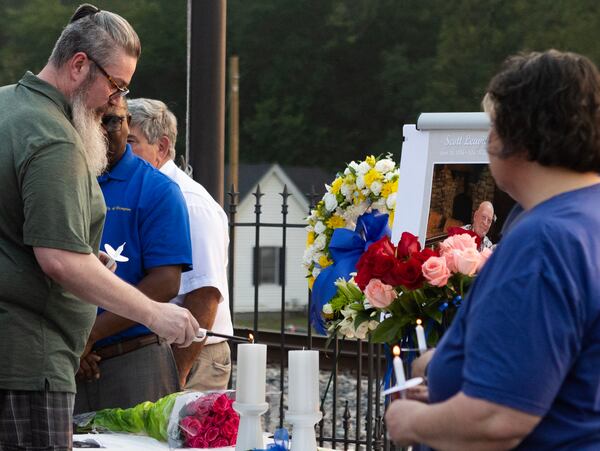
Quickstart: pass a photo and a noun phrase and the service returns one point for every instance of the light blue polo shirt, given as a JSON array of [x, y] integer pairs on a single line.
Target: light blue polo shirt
[[145, 210]]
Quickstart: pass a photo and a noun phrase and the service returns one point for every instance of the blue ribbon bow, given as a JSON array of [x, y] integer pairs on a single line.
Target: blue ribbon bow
[[281, 439], [346, 247]]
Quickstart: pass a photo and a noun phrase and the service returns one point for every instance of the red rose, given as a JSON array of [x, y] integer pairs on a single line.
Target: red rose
[[381, 264], [408, 245], [424, 255], [408, 274], [377, 261]]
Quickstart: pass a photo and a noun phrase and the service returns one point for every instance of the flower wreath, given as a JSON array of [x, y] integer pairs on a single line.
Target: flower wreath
[[363, 187]]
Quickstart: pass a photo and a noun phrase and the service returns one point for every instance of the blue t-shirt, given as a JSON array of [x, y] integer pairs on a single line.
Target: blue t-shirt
[[528, 335], [145, 210]]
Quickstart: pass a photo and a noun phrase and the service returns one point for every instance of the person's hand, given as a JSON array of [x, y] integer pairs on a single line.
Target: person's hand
[[419, 393], [105, 258], [183, 379], [396, 421], [88, 363], [419, 365], [173, 323], [88, 367]]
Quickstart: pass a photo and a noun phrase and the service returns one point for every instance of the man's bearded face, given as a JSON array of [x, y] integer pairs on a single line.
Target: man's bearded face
[[87, 123]]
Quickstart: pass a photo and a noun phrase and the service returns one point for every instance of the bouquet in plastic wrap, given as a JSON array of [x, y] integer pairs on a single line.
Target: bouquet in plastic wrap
[[187, 419]]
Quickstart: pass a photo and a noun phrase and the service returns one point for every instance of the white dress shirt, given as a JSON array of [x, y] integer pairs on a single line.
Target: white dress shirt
[[209, 231]]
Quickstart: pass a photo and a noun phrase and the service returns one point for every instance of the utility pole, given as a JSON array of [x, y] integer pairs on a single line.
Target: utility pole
[[206, 93], [234, 121]]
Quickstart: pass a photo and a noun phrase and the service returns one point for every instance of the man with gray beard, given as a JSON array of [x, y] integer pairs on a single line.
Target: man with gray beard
[[52, 149]]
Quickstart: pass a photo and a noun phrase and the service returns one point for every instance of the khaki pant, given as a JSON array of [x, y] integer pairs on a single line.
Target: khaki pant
[[212, 368]]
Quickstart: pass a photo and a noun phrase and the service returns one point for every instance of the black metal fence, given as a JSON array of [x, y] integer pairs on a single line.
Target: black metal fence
[[360, 428]]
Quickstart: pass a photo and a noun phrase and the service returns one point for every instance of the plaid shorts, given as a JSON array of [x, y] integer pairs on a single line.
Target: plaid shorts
[[36, 420]]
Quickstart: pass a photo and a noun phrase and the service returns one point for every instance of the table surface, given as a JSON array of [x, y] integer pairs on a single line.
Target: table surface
[[130, 442]]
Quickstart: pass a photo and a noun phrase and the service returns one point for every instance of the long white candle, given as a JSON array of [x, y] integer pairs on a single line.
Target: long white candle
[[421, 341], [303, 381], [251, 373], [398, 367]]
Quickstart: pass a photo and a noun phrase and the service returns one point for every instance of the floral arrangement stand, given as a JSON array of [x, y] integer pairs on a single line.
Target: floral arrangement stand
[[250, 435]]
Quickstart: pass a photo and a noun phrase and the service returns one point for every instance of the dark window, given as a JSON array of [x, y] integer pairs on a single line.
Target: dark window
[[268, 265]]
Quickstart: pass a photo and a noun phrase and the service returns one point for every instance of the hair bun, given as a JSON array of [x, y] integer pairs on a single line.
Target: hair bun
[[84, 10]]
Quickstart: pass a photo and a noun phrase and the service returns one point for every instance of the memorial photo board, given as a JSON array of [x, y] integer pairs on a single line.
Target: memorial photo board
[[444, 176]]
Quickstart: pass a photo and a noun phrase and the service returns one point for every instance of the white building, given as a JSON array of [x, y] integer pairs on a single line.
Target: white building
[[272, 178]]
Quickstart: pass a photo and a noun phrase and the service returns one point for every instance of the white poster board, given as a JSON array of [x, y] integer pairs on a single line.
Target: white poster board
[[454, 138]]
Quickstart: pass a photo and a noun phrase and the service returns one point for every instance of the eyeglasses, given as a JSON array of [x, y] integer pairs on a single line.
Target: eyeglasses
[[114, 123], [120, 92]]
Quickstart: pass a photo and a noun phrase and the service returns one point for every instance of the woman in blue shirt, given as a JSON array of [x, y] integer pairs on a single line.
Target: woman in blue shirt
[[520, 366]]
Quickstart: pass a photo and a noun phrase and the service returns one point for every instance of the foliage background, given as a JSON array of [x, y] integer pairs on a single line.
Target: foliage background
[[324, 81]]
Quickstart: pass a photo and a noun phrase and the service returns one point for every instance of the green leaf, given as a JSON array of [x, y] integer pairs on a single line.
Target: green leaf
[[357, 307], [434, 313], [361, 317], [388, 331]]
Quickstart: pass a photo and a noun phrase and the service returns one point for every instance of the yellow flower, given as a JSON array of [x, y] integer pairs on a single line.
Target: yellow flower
[[358, 199], [324, 262], [389, 188], [371, 176], [310, 238], [311, 281], [391, 218], [349, 179], [335, 222], [371, 160], [336, 185]]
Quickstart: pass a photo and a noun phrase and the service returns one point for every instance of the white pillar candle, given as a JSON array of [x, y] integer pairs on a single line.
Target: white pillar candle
[[398, 367], [303, 381], [251, 373], [421, 341]]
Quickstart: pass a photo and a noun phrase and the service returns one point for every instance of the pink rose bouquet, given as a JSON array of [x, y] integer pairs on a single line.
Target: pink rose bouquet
[[209, 422], [188, 419], [394, 286]]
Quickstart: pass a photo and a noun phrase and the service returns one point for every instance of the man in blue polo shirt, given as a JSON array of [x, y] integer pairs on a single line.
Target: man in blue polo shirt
[[124, 363]]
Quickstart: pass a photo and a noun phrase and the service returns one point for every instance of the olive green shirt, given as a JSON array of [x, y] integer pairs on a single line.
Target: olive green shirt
[[48, 198]]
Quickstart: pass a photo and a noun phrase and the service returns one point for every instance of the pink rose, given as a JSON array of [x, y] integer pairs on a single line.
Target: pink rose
[[436, 271], [458, 242], [197, 442], [211, 433], [229, 429], [450, 261], [200, 407], [467, 261], [379, 294], [221, 404], [485, 254], [190, 426], [219, 443]]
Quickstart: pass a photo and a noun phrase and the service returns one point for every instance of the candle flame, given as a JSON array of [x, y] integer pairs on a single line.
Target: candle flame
[[418, 322], [396, 351], [251, 338]]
